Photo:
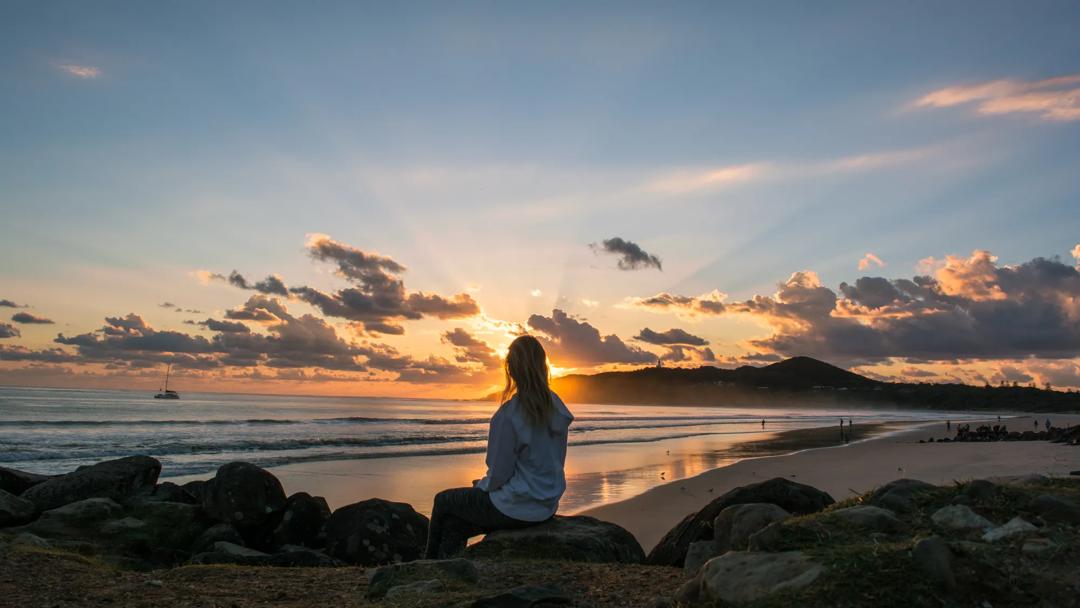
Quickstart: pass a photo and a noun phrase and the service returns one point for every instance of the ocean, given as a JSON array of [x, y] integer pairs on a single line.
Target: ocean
[[349, 448]]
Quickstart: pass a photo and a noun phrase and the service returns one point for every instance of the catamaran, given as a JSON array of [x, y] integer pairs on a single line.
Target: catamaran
[[165, 393]]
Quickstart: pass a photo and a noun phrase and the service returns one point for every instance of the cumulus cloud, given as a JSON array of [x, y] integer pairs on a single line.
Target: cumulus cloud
[[1076, 253], [10, 304], [669, 337], [971, 307], [707, 304], [28, 319], [470, 349], [1052, 99], [271, 285], [631, 255], [9, 331], [576, 343], [869, 260], [678, 353]]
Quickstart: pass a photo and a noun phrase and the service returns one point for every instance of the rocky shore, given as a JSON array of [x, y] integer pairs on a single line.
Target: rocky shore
[[113, 534]]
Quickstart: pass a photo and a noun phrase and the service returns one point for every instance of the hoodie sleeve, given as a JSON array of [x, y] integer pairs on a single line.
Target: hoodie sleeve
[[501, 453]]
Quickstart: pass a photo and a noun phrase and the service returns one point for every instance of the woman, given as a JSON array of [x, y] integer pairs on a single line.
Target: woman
[[526, 452]]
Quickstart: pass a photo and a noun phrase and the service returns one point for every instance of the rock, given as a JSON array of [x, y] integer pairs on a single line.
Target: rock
[[302, 557], [15, 511], [195, 488], [224, 552], [416, 588], [572, 538], [89, 511], [236, 550], [700, 551], [1031, 479], [960, 518], [796, 498], [16, 482], [213, 534], [981, 490], [31, 540], [376, 532], [898, 496], [869, 518], [1037, 546], [734, 525], [739, 577], [1014, 527], [171, 530], [168, 491], [933, 558], [244, 495], [525, 596], [1056, 509], [454, 571], [302, 521], [118, 480]]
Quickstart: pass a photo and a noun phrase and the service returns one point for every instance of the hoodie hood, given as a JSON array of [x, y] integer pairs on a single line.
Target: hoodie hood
[[561, 417]]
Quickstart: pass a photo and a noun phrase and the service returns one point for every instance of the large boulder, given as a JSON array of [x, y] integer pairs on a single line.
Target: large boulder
[[214, 534], [168, 491], [899, 496], [574, 538], [302, 521], [376, 532], [745, 576], [15, 511], [960, 519], [868, 518], [17, 482], [1056, 509], [934, 559], [119, 480], [793, 497], [244, 495], [447, 571], [734, 526]]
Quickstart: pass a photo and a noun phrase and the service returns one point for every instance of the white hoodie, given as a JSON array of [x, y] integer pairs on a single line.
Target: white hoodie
[[525, 478]]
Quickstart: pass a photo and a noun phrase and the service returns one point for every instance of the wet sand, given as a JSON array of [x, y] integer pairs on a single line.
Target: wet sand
[[844, 470]]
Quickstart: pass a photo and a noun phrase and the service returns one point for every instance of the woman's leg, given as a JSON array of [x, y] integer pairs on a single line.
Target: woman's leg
[[459, 514]]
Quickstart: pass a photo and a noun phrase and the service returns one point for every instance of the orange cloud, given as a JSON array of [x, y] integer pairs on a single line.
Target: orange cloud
[[1054, 99], [869, 259]]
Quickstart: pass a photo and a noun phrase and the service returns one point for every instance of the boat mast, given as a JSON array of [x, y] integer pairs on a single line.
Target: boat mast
[[167, 369]]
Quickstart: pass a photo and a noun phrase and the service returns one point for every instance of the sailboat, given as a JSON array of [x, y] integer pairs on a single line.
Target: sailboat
[[165, 393]]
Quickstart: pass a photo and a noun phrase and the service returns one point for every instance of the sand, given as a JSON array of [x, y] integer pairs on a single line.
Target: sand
[[843, 471]]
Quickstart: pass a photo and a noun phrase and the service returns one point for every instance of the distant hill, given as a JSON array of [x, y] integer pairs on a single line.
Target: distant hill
[[797, 381]]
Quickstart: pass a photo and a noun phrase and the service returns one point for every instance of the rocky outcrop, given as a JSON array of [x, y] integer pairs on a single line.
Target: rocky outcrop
[[118, 480], [735, 524], [795, 498], [302, 521], [574, 538], [446, 571], [899, 496], [740, 577], [243, 495], [15, 511], [16, 482], [376, 532]]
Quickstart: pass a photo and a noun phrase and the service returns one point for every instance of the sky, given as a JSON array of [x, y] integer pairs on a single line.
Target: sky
[[375, 198]]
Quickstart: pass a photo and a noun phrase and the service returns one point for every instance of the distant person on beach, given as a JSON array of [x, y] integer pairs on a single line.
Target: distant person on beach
[[1048, 424], [526, 453], [762, 423]]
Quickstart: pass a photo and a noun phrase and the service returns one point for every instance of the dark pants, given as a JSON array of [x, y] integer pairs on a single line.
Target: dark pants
[[461, 513]]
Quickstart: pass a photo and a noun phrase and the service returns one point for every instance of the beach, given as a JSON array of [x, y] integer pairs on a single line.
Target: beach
[[847, 470]]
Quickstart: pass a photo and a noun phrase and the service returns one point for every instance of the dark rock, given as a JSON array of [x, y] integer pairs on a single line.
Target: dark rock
[[960, 518], [16, 482], [302, 557], [735, 524], [1014, 527], [934, 559], [118, 480], [526, 596], [244, 495], [445, 570], [746, 576], [15, 511], [981, 490], [1056, 509], [195, 488], [230, 553], [376, 532], [427, 587], [302, 521], [869, 518], [699, 552], [898, 496], [168, 491], [213, 534], [793, 497], [573, 538]]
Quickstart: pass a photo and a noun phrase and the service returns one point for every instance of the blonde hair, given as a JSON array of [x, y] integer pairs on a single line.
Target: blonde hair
[[527, 373]]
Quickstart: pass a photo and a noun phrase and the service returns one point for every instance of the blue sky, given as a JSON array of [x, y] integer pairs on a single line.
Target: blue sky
[[485, 145]]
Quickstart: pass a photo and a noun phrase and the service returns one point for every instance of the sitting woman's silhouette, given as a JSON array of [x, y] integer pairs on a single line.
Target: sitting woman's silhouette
[[526, 452]]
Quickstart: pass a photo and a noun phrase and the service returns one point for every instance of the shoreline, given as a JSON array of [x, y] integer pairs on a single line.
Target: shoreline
[[844, 470]]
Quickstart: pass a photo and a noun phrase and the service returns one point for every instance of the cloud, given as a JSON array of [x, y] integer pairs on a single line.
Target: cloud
[[80, 71], [29, 319], [669, 337], [587, 303], [9, 331], [970, 308], [469, 349], [1053, 99], [690, 307], [10, 304], [271, 285], [631, 255], [1076, 253], [686, 180], [870, 259], [536, 293], [167, 305], [678, 353], [228, 327], [574, 343]]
